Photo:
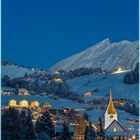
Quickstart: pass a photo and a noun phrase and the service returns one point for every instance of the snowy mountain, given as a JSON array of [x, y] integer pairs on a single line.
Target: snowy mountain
[[105, 55], [15, 71]]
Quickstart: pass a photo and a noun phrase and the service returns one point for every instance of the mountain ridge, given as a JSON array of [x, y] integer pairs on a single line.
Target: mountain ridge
[[101, 55]]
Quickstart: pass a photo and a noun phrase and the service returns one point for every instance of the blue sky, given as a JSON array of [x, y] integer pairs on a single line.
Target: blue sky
[[39, 33]]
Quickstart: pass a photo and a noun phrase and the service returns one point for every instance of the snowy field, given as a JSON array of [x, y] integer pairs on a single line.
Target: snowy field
[[105, 83], [14, 71]]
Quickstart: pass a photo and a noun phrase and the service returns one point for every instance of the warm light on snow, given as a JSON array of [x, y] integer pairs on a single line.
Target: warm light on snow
[[119, 70]]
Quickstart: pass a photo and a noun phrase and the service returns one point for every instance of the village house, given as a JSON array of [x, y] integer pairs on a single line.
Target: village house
[[23, 103], [88, 94], [34, 104], [12, 103], [7, 90], [23, 91]]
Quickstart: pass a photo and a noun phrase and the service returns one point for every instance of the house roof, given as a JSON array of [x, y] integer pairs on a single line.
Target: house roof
[[8, 88], [119, 129]]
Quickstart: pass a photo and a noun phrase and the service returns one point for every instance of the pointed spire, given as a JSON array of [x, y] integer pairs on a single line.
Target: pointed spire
[[110, 107]]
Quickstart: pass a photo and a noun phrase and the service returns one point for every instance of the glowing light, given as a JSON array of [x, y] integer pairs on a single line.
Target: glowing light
[[119, 69], [23, 92], [23, 103], [12, 103], [35, 104], [115, 129], [133, 137], [58, 80]]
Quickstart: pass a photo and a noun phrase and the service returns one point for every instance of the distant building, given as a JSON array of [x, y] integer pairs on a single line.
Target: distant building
[[23, 103], [34, 104], [7, 90], [23, 91], [88, 94], [79, 128], [12, 103], [57, 79]]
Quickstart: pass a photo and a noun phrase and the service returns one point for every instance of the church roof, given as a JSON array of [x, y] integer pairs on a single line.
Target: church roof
[[110, 108], [115, 129]]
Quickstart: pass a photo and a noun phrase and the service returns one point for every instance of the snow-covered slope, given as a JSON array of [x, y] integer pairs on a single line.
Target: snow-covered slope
[[105, 55], [104, 83], [14, 71]]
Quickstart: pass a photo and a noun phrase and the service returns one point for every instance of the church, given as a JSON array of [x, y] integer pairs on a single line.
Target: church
[[113, 129]]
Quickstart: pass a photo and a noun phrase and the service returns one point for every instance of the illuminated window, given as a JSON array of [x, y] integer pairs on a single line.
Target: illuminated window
[[115, 129], [133, 137], [12, 103], [35, 104], [23, 103]]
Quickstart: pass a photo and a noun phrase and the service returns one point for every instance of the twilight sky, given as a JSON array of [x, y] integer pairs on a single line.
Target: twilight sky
[[39, 33]]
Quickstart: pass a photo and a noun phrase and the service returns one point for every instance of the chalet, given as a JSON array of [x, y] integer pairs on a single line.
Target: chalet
[[57, 79], [88, 94], [23, 103], [34, 104], [7, 90], [23, 91], [12, 103], [79, 127]]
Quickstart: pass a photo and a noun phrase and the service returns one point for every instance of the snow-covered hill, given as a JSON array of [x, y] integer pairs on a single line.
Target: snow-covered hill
[[105, 55], [15, 71], [104, 83]]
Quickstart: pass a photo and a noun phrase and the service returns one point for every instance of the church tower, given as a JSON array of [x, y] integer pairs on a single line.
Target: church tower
[[110, 114]]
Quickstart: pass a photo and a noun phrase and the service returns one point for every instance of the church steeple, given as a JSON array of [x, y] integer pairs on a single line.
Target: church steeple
[[110, 108], [111, 113]]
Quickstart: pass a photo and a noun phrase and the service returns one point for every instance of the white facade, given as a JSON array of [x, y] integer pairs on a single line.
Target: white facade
[[109, 118]]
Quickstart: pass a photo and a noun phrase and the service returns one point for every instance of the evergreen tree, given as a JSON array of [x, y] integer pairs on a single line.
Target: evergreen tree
[[45, 124], [100, 131], [5, 80], [16, 89], [10, 124], [89, 132], [85, 115], [43, 136], [66, 133], [27, 129]]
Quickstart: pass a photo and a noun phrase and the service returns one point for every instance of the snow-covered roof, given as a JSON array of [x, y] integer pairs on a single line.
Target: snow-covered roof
[[22, 89], [115, 129], [7, 88]]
